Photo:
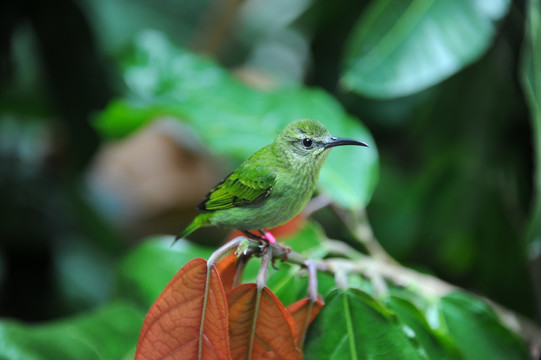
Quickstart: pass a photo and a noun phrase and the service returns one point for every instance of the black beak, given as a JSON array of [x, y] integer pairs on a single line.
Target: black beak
[[336, 141]]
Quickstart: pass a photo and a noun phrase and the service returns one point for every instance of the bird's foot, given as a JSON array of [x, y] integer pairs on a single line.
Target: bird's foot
[[263, 248], [280, 252], [263, 241]]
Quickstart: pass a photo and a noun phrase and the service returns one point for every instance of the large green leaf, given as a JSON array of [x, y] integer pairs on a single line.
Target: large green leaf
[[145, 272], [233, 119], [352, 325], [288, 283], [401, 47], [110, 333], [437, 345], [477, 331]]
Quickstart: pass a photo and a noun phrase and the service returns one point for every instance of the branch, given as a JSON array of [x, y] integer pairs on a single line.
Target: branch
[[383, 269], [426, 284]]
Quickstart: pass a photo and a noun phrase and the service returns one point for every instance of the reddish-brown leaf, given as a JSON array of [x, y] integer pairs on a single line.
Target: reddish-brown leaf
[[260, 326], [269, 356], [180, 319], [303, 313], [227, 268]]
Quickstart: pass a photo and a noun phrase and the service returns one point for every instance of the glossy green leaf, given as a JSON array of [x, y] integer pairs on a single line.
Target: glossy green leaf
[[148, 269], [477, 331], [325, 283], [398, 48], [308, 240], [232, 119], [437, 345], [288, 283], [109, 333], [352, 325]]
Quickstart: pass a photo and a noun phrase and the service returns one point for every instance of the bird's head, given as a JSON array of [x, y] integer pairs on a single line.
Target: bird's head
[[306, 142]]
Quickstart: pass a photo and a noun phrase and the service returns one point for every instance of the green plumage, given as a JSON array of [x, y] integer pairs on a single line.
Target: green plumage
[[274, 184]]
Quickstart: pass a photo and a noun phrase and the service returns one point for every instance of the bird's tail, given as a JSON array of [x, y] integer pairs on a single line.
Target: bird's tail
[[200, 221]]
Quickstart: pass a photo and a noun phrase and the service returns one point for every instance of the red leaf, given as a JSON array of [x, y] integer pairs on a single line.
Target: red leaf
[[189, 319], [303, 313], [227, 268], [260, 326], [269, 356]]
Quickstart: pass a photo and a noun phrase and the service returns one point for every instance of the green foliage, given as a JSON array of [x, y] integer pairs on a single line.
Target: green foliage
[[437, 344], [146, 271], [289, 283], [368, 330], [477, 331], [231, 118], [456, 169], [352, 324], [109, 333], [400, 48], [395, 328], [456, 180], [531, 80]]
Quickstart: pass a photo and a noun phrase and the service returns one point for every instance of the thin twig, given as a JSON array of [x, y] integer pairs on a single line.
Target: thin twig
[[213, 259], [263, 270], [338, 247], [312, 280]]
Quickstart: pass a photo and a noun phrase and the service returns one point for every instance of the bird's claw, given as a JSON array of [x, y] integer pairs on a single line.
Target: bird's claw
[[263, 247]]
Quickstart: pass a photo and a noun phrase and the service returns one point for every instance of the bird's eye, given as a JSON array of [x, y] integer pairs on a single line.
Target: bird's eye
[[307, 143]]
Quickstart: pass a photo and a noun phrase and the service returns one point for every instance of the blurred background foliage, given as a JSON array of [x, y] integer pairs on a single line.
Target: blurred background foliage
[[439, 84]]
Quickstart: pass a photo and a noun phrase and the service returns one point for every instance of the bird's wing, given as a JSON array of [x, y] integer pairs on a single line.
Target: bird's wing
[[242, 187]]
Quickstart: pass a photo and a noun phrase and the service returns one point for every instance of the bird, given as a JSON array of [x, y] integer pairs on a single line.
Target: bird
[[273, 185]]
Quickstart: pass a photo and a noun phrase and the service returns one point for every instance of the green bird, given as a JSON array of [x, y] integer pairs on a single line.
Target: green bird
[[273, 185]]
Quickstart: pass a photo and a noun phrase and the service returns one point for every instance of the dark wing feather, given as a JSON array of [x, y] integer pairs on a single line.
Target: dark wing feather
[[242, 187]]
